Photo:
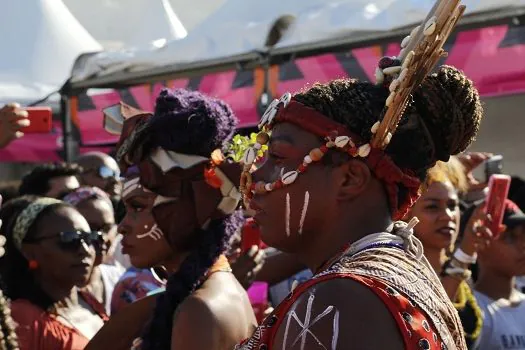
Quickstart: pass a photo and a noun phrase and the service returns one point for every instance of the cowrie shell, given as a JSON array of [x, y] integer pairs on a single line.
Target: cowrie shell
[[403, 75], [269, 110], [375, 127], [341, 141], [364, 150], [392, 70], [407, 59], [414, 31], [388, 138], [290, 177], [393, 85], [430, 26], [379, 76], [257, 146], [285, 99], [272, 115], [405, 41], [249, 156]]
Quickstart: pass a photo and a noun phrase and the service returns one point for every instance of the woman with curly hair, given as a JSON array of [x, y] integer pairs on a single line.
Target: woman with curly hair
[[181, 203]]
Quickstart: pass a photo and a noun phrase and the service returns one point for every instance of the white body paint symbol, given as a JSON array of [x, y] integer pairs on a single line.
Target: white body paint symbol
[[287, 214], [304, 211], [308, 323], [155, 233]]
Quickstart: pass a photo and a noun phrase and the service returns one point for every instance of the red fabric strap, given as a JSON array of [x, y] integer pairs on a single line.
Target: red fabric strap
[[379, 162]]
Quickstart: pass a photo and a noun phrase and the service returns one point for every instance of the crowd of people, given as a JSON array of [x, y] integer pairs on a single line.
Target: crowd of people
[[363, 244]]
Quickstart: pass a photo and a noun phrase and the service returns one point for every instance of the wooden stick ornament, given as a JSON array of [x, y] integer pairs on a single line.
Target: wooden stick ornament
[[420, 53]]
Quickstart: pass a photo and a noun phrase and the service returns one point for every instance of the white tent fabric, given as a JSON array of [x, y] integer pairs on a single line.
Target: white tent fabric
[[40, 40], [119, 24], [240, 26]]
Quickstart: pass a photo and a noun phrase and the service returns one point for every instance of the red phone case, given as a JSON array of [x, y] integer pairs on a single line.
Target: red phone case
[[41, 119], [495, 205], [250, 236]]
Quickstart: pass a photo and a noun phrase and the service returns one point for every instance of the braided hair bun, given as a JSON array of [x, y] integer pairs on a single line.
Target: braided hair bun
[[443, 120], [190, 122], [451, 109]]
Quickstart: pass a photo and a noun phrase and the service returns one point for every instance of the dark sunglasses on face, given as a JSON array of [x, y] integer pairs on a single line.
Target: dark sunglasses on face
[[72, 240]]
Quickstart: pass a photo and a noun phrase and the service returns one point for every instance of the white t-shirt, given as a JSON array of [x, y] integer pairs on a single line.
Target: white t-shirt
[[503, 323]]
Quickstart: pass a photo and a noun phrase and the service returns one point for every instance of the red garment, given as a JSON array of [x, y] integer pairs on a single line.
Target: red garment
[[415, 327], [39, 330]]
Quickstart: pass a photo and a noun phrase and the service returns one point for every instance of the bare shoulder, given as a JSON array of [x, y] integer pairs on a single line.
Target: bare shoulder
[[337, 313], [221, 309], [193, 314]]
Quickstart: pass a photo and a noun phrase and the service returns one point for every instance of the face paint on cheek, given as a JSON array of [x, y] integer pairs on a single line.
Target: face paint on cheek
[[155, 233], [287, 214], [304, 211]]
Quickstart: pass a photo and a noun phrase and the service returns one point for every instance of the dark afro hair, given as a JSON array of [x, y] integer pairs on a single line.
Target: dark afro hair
[[189, 122]]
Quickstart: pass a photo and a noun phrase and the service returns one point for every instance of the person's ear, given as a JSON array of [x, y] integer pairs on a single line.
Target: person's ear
[[355, 178]]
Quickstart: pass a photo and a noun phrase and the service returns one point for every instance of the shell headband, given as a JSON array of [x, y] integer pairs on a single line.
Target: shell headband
[[401, 75]]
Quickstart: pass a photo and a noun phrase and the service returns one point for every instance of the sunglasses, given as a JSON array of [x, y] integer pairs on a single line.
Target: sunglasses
[[72, 240]]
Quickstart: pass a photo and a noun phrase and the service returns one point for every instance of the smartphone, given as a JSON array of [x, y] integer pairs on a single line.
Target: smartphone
[[493, 166], [495, 205], [250, 236], [41, 119]]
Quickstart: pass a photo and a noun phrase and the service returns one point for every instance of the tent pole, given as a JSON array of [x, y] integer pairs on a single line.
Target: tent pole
[[67, 128]]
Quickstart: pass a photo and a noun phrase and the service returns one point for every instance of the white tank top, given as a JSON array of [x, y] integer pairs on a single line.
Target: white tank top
[[503, 323]]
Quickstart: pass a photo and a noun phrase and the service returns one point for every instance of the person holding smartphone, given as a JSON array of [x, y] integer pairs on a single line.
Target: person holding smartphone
[[502, 303], [12, 120]]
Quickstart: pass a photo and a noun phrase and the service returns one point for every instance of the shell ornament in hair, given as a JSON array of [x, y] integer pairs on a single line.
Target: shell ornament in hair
[[420, 51]]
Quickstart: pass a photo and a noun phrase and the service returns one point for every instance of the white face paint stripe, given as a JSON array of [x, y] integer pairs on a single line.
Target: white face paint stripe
[[154, 233], [287, 213], [304, 211]]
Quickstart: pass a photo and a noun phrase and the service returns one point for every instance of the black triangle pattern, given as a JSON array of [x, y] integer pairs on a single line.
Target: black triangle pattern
[[515, 35], [351, 65]]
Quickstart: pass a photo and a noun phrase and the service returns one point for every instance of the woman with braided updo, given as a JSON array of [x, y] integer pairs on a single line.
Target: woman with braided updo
[[341, 196], [181, 202]]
